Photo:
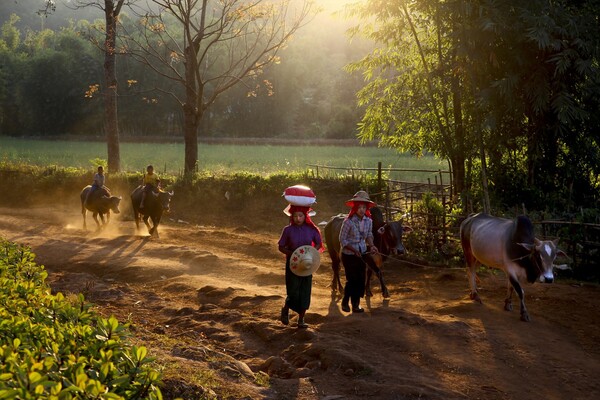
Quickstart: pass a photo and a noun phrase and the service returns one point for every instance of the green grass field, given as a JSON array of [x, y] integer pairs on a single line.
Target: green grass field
[[218, 158]]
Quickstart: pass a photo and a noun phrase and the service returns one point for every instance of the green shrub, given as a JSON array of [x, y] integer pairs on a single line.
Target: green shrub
[[52, 348]]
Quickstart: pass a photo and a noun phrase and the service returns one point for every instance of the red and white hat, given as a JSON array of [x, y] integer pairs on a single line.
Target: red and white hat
[[299, 195]]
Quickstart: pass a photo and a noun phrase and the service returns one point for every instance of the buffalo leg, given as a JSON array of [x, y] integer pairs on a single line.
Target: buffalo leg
[[471, 273], [145, 218], [508, 299], [84, 213], [368, 291], [521, 293], [384, 290], [336, 283], [155, 222], [136, 217], [153, 231], [373, 268], [103, 220], [95, 215]]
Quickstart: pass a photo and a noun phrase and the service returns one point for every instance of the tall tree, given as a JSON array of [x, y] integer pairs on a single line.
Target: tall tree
[[540, 89], [209, 46], [501, 84], [10, 74], [111, 10], [416, 94]]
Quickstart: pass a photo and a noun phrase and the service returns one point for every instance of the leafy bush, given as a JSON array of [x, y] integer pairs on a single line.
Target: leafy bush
[[52, 348]]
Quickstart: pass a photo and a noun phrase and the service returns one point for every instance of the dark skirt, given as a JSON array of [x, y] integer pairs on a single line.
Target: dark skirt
[[298, 289]]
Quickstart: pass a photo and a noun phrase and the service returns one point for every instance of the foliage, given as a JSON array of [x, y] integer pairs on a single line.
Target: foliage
[[510, 83], [307, 85], [430, 223], [206, 49], [99, 162], [35, 94], [53, 348]]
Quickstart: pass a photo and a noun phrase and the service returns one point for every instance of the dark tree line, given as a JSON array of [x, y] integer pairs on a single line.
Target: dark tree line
[[51, 84]]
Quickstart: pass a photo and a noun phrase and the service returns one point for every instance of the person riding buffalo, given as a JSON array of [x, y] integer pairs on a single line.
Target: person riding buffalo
[[150, 182], [356, 240], [98, 183]]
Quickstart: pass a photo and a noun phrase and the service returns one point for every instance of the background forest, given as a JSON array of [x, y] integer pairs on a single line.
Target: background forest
[[506, 91], [312, 97]]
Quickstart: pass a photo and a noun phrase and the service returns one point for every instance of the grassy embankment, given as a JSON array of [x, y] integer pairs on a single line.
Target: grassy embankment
[[236, 184]]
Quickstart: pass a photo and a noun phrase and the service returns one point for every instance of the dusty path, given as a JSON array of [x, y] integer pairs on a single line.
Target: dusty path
[[206, 300]]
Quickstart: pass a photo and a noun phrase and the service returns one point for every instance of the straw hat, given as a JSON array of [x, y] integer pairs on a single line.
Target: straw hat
[[305, 260], [361, 196]]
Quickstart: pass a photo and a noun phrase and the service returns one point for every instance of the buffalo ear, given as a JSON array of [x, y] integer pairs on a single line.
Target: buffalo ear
[[381, 230], [559, 252], [406, 229], [527, 246]]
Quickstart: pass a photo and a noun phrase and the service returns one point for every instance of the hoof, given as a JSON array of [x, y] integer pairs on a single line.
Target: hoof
[[525, 317], [475, 297], [386, 294]]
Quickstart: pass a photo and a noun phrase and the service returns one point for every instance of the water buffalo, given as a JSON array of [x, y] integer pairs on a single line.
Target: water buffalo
[[387, 239], [154, 206], [99, 203], [510, 246]]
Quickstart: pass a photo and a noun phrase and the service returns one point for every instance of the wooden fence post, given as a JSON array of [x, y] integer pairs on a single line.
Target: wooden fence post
[[379, 186]]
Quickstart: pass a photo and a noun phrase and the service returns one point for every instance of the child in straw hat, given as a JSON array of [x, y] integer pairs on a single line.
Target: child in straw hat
[[301, 231], [356, 240]]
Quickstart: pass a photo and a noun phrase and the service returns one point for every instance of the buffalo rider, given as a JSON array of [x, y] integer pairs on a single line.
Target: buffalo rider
[[150, 182], [98, 183]]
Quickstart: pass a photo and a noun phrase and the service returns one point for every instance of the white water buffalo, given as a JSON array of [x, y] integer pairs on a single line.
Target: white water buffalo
[[100, 203], [510, 246]]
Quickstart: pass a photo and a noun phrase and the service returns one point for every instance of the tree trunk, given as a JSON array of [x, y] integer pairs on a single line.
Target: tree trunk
[[192, 113], [110, 91], [484, 181], [458, 174], [458, 152], [190, 132]]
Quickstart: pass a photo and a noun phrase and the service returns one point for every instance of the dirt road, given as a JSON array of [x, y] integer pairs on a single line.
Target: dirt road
[[205, 300]]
